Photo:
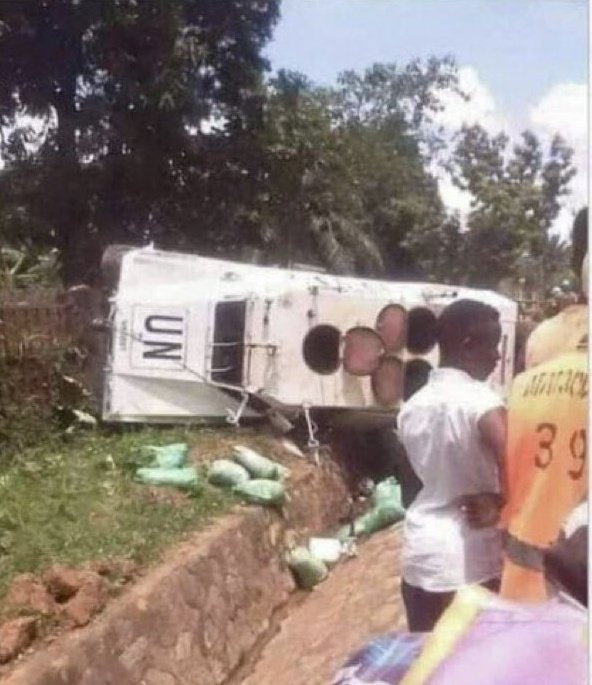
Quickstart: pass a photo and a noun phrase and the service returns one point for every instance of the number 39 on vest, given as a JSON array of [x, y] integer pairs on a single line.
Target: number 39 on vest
[[546, 466]]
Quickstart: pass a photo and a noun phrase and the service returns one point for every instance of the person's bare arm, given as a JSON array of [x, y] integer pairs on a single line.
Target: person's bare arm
[[482, 509], [493, 427]]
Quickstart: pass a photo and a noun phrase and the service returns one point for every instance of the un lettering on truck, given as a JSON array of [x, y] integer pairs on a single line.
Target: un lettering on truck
[[159, 338]]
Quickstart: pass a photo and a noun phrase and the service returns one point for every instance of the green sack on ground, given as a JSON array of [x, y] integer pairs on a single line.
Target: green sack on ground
[[166, 456], [257, 465], [307, 569], [382, 516], [385, 514], [226, 474], [388, 490], [262, 491], [181, 478]]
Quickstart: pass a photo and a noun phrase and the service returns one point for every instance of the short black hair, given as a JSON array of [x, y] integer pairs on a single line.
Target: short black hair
[[579, 240], [460, 320]]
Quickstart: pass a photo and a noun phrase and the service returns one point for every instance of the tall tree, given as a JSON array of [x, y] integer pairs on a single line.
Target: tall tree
[[344, 170], [124, 87], [517, 195]]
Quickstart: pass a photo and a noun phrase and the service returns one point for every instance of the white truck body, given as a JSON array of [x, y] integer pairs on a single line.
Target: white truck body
[[191, 334]]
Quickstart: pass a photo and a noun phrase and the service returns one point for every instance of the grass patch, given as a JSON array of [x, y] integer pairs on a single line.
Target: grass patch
[[74, 500]]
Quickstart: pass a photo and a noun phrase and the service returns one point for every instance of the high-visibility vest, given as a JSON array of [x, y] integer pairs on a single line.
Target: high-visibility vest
[[546, 466], [554, 336]]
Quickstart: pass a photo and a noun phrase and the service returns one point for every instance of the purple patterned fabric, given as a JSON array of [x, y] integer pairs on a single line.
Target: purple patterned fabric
[[383, 661], [536, 645]]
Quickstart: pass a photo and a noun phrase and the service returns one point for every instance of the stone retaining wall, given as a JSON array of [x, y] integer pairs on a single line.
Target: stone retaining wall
[[191, 620]]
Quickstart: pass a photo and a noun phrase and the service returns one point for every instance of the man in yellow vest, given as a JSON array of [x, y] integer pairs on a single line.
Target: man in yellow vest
[[546, 466], [546, 455]]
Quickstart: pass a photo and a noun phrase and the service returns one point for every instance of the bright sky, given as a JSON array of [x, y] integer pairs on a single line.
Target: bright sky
[[524, 61]]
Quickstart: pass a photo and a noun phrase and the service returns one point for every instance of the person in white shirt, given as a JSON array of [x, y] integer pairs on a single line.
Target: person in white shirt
[[453, 431]]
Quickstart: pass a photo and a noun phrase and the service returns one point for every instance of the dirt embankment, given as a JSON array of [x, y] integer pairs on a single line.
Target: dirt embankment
[[193, 618]]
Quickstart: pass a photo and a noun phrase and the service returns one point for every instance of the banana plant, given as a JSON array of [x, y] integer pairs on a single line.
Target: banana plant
[[22, 267]]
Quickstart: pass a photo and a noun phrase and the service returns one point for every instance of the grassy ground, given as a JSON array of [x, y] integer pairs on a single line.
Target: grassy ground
[[73, 500]]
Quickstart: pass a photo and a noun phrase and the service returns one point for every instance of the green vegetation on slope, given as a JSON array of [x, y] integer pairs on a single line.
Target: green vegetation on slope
[[75, 500]]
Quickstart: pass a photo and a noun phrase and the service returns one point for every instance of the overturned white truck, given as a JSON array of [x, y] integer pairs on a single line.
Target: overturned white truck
[[196, 337]]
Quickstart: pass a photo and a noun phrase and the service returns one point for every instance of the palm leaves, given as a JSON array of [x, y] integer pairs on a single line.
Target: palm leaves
[[21, 268]]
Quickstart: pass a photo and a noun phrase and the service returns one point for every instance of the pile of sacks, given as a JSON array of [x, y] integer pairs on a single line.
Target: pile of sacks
[[251, 476], [311, 565], [259, 480]]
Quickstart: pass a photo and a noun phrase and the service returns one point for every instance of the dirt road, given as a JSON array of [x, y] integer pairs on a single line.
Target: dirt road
[[360, 599]]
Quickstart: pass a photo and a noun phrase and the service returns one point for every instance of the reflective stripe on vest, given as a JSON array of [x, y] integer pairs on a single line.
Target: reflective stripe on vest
[[524, 554]]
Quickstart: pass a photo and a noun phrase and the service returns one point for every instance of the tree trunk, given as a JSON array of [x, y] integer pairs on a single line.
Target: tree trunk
[[68, 204]]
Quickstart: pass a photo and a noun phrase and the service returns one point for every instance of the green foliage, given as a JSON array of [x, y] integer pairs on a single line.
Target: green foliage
[[438, 250], [517, 196], [128, 122], [28, 267], [123, 89], [61, 406], [345, 170], [334, 176]]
